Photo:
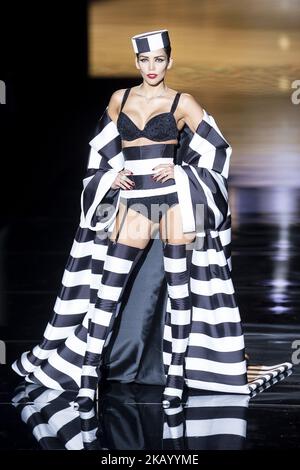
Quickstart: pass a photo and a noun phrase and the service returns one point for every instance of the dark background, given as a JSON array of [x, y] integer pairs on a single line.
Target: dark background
[[51, 107], [50, 115]]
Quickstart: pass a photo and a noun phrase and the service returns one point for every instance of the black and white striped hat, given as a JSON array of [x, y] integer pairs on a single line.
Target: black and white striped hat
[[150, 41]]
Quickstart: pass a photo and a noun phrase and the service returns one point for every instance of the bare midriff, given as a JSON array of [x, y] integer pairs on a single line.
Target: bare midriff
[[144, 141]]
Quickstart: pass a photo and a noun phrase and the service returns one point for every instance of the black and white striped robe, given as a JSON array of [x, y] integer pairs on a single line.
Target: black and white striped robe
[[139, 350]]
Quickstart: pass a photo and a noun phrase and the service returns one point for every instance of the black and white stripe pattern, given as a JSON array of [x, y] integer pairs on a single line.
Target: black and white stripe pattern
[[207, 422], [209, 148], [118, 264], [140, 160], [177, 276], [57, 361], [215, 353], [106, 159], [205, 149], [51, 418], [260, 377], [150, 41], [211, 421], [215, 356]]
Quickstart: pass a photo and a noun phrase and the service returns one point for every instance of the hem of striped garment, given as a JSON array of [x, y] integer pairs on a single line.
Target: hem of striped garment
[[269, 373]]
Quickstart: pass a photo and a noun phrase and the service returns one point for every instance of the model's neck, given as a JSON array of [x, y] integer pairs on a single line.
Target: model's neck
[[150, 91]]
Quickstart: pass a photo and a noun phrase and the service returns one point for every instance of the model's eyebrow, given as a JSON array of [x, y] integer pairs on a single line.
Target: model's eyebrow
[[141, 55]]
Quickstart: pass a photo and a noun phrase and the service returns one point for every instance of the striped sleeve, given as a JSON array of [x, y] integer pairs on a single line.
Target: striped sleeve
[[208, 147], [201, 173], [98, 199]]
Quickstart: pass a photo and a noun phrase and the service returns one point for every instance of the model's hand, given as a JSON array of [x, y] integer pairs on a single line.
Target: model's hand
[[164, 172], [122, 181]]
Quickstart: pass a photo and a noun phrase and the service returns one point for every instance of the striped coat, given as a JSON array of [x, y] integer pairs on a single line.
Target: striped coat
[[139, 349]]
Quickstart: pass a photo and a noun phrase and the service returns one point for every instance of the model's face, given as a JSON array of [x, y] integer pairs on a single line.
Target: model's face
[[153, 63]]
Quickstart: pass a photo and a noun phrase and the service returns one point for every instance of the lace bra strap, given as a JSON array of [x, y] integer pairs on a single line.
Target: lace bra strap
[[125, 97], [175, 102]]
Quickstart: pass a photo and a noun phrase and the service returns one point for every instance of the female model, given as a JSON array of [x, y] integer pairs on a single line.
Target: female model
[[158, 163], [148, 118]]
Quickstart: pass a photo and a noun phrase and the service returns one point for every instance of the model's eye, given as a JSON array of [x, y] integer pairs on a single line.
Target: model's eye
[[159, 60]]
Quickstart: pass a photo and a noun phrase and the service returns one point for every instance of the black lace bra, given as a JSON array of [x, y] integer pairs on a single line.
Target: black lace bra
[[159, 128]]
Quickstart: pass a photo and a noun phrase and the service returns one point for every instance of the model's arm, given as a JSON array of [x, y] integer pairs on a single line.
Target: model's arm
[[113, 110], [191, 111], [104, 164], [114, 104]]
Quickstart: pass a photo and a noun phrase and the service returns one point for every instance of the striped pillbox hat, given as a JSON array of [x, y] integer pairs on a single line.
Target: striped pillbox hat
[[150, 41]]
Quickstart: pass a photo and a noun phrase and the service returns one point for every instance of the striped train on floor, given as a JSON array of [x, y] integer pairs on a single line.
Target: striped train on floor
[[211, 421]]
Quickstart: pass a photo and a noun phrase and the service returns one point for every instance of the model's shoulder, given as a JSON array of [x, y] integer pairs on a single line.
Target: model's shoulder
[[183, 97], [189, 102], [114, 104], [117, 95], [120, 92], [188, 98]]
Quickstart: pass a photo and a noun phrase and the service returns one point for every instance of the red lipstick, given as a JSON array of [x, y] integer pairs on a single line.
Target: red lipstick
[[152, 75]]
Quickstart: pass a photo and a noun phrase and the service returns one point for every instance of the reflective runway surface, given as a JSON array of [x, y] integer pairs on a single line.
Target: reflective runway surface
[[130, 417]]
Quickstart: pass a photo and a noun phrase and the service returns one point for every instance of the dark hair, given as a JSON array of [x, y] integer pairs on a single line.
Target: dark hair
[[167, 49]]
